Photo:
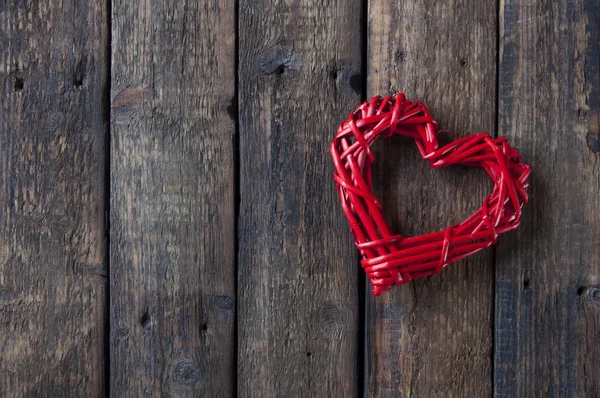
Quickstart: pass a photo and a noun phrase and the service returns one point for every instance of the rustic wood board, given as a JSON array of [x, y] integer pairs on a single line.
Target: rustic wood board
[[299, 76], [172, 268], [52, 134], [548, 272], [433, 337]]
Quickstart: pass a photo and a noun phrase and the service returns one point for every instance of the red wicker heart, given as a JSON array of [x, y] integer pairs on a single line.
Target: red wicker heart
[[394, 259]]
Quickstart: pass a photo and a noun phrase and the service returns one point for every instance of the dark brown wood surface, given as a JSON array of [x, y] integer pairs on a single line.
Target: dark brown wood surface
[[299, 74], [52, 269], [172, 294], [433, 337], [547, 340], [232, 271]]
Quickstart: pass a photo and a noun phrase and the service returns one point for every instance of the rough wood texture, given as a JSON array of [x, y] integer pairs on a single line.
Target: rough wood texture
[[298, 293], [433, 337], [52, 268], [548, 273], [172, 272]]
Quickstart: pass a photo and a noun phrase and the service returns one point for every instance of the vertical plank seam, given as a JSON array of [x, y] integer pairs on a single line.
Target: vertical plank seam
[[236, 194], [363, 290], [494, 248], [106, 115]]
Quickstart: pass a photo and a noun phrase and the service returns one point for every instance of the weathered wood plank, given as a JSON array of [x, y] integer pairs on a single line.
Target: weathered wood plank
[[548, 272], [172, 201], [298, 293], [433, 337], [52, 268]]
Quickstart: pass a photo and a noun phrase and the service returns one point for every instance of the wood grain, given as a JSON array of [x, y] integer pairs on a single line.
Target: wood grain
[[172, 296], [548, 272], [298, 294], [433, 337], [52, 268]]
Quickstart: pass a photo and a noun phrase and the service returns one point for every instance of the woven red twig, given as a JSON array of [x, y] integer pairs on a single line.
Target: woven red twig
[[394, 259]]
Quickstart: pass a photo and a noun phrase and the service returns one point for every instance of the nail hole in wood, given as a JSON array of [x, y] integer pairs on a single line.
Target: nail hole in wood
[[464, 62], [78, 75], [145, 320], [204, 327], [77, 82], [280, 70], [582, 290], [526, 280], [308, 354], [333, 74], [19, 84]]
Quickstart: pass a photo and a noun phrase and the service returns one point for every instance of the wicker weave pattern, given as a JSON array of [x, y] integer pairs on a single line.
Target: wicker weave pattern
[[390, 259]]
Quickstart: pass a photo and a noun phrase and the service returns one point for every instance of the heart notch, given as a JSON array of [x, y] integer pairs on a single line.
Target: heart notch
[[391, 259]]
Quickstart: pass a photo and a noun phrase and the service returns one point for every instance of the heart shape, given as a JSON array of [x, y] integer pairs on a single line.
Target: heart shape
[[389, 259]]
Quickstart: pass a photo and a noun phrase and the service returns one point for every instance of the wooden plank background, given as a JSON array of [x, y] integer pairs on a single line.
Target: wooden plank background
[[298, 312], [172, 263], [548, 272], [53, 72], [433, 337], [169, 225]]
